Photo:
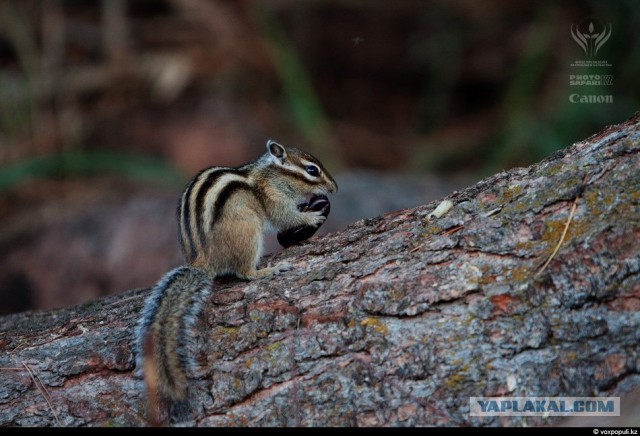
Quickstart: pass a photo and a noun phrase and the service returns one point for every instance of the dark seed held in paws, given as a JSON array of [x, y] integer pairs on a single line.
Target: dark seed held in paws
[[295, 235]]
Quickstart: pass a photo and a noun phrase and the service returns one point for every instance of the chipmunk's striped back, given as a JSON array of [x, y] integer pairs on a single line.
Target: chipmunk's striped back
[[201, 204]]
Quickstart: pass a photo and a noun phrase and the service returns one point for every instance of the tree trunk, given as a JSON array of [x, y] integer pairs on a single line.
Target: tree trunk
[[397, 320]]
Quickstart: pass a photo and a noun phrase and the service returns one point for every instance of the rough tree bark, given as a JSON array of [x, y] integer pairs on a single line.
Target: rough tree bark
[[397, 320]]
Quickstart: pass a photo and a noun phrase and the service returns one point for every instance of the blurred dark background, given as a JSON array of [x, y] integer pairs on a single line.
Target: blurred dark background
[[108, 107]]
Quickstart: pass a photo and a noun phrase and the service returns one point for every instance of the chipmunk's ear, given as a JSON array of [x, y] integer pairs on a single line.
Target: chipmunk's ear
[[277, 151]]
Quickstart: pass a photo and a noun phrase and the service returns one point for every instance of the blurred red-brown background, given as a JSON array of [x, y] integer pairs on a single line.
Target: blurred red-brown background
[[107, 108]]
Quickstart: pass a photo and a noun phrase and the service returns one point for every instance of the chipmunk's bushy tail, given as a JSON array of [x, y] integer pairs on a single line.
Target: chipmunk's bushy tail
[[163, 334]]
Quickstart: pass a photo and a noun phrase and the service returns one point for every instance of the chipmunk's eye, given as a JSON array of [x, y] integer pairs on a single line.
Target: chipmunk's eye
[[312, 170]]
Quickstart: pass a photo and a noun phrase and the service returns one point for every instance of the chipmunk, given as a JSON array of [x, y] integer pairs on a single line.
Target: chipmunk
[[222, 215]]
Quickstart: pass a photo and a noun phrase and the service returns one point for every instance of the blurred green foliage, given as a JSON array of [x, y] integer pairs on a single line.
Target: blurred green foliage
[[532, 127], [90, 163], [533, 115], [302, 104], [434, 61]]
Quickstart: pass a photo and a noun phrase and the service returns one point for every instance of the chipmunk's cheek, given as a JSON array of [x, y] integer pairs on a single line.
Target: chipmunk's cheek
[[293, 236]]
